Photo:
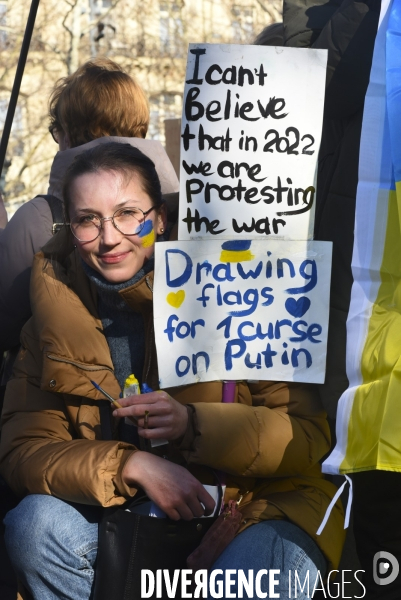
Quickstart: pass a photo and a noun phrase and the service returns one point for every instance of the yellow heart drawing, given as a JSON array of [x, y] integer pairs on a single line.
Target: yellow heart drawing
[[176, 298]]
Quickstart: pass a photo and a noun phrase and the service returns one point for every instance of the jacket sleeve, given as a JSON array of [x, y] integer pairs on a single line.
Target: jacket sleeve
[[303, 20], [283, 432], [347, 30], [40, 452], [28, 230], [350, 37]]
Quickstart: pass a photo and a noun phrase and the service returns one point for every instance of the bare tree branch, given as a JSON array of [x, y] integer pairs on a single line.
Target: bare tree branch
[[28, 157], [273, 13], [64, 21], [61, 43], [100, 18]]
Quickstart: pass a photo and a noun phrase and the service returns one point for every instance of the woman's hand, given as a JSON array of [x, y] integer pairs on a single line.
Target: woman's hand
[[166, 419], [170, 486]]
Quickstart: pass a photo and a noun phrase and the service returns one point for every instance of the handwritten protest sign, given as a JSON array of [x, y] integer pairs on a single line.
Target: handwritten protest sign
[[251, 128], [241, 310]]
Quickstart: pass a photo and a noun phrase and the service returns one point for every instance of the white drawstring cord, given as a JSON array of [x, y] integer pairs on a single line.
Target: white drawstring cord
[[332, 503]]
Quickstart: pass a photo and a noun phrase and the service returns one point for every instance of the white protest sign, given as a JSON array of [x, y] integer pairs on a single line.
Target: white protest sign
[[251, 128], [241, 310]]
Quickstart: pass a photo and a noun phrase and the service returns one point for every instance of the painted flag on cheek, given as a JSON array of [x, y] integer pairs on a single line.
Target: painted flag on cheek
[[147, 234]]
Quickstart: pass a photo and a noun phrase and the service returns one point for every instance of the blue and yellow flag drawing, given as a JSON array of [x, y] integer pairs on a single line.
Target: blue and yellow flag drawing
[[369, 413]]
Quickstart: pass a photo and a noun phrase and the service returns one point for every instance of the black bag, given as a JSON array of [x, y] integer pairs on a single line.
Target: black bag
[[130, 542]]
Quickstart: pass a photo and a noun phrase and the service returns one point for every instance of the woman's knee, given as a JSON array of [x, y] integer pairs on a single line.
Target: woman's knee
[[275, 546], [299, 550], [43, 528], [28, 525]]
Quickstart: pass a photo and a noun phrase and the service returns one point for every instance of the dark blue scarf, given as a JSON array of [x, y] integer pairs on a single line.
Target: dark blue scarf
[[123, 328]]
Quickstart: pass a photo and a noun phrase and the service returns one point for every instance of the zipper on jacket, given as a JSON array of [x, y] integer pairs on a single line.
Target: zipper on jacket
[[147, 371], [90, 368], [101, 368], [79, 365], [147, 280], [150, 338], [133, 560]]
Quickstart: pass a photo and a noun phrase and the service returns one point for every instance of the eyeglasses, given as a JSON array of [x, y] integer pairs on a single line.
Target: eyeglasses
[[54, 133], [128, 221]]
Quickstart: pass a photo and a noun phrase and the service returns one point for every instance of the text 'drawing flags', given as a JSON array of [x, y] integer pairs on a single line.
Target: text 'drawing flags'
[[242, 309]]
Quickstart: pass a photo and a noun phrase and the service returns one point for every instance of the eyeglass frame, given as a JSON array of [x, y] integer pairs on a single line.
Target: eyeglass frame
[[103, 219], [52, 129]]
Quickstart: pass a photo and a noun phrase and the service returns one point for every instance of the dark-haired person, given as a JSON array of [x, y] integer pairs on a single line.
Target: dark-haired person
[[98, 103], [272, 35], [347, 29], [92, 303]]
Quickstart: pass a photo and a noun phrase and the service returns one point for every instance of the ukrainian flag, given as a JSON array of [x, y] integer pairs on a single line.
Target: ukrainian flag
[[236, 251], [147, 234], [369, 412]]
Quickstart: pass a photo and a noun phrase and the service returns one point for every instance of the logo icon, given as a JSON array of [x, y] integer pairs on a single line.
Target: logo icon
[[385, 568]]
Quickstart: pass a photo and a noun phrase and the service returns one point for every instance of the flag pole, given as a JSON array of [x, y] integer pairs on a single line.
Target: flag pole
[[17, 81]]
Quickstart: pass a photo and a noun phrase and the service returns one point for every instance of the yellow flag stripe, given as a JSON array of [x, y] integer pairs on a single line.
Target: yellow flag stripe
[[228, 256], [377, 400]]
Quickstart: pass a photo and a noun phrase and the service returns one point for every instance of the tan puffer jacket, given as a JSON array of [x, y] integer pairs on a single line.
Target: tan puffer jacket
[[269, 441]]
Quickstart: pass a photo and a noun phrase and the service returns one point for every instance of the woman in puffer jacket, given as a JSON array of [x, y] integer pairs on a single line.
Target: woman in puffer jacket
[[68, 455]]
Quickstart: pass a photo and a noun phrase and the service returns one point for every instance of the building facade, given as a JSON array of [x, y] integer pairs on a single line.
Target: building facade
[[149, 39]]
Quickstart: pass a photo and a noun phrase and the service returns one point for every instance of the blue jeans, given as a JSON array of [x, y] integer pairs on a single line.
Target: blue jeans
[[272, 545], [53, 546]]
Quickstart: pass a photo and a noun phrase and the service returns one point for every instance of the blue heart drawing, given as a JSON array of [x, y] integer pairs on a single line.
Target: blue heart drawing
[[297, 308]]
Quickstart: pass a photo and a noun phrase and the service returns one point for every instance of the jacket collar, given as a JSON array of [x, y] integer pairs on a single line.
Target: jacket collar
[[70, 332]]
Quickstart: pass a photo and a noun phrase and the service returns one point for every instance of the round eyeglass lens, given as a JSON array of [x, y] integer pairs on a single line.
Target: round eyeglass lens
[[54, 134], [128, 221], [86, 229]]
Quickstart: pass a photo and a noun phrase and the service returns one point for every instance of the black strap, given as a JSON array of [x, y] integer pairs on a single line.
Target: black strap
[[105, 419], [56, 207]]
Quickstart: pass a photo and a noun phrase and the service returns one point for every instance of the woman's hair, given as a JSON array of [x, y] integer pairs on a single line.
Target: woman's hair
[[272, 35], [98, 100], [117, 158]]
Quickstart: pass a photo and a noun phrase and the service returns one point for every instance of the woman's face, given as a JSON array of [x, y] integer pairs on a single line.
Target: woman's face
[[116, 256]]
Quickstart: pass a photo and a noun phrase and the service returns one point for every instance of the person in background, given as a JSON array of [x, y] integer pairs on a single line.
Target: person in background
[[97, 103], [272, 35], [347, 29]]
